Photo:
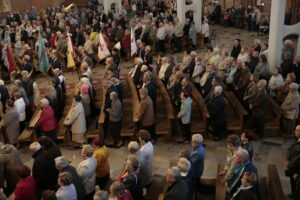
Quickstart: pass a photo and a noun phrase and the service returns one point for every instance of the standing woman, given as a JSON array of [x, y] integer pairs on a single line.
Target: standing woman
[[76, 119], [86, 102], [20, 107], [115, 117], [47, 121], [11, 124], [101, 154], [86, 170]]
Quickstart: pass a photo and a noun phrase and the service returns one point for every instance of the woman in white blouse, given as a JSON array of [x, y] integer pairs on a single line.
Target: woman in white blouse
[[66, 190]]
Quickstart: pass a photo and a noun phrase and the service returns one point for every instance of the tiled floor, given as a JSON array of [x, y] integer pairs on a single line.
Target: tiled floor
[[268, 151]]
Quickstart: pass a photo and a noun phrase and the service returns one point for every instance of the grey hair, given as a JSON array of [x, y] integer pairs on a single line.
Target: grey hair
[[219, 89], [88, 150], [114, 95], [198, 138], [184, 164], [61, 162], [117, 188], [102, 195], [174, 172], [35, 146], [244, 154], [45, 102], [133, 146]]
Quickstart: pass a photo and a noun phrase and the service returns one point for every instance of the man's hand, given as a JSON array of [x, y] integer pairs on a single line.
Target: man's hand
[[251, 106]]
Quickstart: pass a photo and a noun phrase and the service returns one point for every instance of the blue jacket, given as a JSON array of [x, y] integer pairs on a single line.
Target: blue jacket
[[197, 159]]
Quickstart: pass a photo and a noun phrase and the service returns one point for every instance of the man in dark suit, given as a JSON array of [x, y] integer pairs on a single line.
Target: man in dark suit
[[296, 68], [217, 115], [178, 188], [135, 73], [78, 37], [293, 165], [258, 108], [4, 94], [55, 61], [27, 65], [287, 64], [244, 165], [236, 50], [148, 83]]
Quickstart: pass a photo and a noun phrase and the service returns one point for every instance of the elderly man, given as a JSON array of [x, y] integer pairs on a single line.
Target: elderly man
[[215, 59], [185, 165], [258, 108], [205, 81], [135, 73], [293, 165], [86, 170], [243, 165], [290, 107], [178, 33], [178, 188], [145, 114], [149, 83], [197, 156], [101, 195], [62, 165], [160, 36], [42, 165], [217, 114]]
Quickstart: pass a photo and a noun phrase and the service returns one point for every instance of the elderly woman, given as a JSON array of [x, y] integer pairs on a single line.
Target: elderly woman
[[62, 165], [178, 189], [146, 153], [11, 126], [275, 82], [20, 107], [290, 108], [185, 114], [184, 165], [223, 66], [26, 188], [86, 170], [131, 177], [251, 90], [86, 102], [52, 99], [243, 56], [115, 117], [283, 90], [47, 121], [246, 142], [67, 189], [76, 119], [243, 80], [262, 68], [215, 58], [118, 191], [101, 154], [208, 55]]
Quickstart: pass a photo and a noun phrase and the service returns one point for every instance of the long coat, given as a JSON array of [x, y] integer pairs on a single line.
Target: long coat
[[216, 109], [146, 112], [76, 118], [86, 171], [11, 126]]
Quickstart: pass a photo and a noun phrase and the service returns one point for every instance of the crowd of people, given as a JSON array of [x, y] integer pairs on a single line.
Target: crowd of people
[[156, 28]]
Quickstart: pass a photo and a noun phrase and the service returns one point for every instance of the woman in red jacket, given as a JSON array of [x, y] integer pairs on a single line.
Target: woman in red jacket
[[48, 122], [26, 188], [126, 43]]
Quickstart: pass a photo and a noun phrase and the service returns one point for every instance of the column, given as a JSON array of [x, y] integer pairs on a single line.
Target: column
[[276, 32]]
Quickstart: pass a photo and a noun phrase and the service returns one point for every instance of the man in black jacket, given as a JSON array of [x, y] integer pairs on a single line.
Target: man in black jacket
[[253, 62], [217, 115], [41, 167], [178, 188], [236, 50], [4, 94], [293, 165], [287, 64]]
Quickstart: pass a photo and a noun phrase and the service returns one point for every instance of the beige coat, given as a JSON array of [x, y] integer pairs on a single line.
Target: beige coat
[[290, 106], [146, 112], [76, 119]]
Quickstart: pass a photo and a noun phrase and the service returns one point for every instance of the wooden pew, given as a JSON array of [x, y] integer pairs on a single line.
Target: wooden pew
[[134, 101], [101, 119], [275, 184], [163, 100], [273, 115], [29, 133], [264, 189], [199, 111], [235, 111], [220, 187]]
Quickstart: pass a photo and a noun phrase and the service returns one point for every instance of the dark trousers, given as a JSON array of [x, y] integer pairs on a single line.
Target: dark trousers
[[178, 45], [186, 129], [90, 196], [161, 46], [259, 125], [218, 129], [28, 111], [22, 125], [102, 181], [114, 130], [151, 130], [51, 134]]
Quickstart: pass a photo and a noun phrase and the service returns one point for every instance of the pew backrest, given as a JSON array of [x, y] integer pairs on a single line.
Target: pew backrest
[[275, 184]]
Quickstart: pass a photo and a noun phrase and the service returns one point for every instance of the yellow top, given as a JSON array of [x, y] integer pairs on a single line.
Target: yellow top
[[101, 156]]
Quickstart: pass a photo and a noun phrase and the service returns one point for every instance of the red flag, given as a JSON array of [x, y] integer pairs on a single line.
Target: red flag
[[10, 59]]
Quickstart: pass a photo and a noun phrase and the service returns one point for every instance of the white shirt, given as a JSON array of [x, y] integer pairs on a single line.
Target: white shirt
[[205, 30], [162, 71], [20, 108], [161, 33], [86, 171], [67, 192]]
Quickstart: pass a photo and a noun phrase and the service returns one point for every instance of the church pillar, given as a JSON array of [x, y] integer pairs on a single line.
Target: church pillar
[[276, 32]]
